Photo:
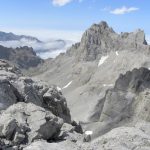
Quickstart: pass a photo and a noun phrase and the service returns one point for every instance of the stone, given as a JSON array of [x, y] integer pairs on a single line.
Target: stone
[[57, 104], [23, 122]]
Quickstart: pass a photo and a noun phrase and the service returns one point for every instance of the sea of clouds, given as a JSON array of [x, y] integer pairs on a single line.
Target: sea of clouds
[[53, 42], [44, 49]]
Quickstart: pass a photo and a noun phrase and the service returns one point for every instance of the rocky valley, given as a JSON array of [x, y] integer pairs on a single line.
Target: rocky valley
[[96, 96]]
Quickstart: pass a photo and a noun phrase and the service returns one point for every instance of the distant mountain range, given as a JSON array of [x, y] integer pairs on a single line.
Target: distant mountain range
[[45, 49], [13, 37]]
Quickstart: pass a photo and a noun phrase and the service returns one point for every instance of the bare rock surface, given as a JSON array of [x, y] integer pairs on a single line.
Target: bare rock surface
[[31, 110], [24, 122]]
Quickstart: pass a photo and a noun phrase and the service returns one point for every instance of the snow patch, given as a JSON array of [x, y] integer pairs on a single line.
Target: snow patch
[[88, 132], [67, 85], [58, 88], [102, 60], [117, 53], [107, 85]]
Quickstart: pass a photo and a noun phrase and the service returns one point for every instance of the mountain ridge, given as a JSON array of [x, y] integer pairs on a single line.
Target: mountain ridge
[[86, 69], [4, 36]]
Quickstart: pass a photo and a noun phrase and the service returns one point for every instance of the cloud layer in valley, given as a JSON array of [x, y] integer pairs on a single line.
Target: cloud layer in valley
[[47, 49], [54, 41]]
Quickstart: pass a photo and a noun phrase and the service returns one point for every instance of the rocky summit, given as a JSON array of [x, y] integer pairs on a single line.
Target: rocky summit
[[93, 97]]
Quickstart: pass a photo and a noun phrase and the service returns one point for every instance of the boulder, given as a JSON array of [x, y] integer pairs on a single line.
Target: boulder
[[25, 122], [57, 104], [14, 87], [8, 94]]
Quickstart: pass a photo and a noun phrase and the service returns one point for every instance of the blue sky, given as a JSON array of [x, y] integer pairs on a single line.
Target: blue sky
[[74, 15]]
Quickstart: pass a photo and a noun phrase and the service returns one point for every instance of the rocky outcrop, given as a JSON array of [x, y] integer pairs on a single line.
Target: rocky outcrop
[[31, 110], [15, 88], [23, 57], [125, 104], [22, 123]]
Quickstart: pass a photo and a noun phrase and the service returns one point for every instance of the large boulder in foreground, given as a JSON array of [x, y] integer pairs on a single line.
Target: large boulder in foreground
[[16, 88], [22, 123], [31, 110]]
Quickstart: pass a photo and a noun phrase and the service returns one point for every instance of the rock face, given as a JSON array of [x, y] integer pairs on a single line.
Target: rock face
[[125, 104], [24, 122], [23, 57], [100, 39], [16, 88], [30, 110]]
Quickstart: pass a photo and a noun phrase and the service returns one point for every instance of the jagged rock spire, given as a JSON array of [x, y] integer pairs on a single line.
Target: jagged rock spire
[[100, 39]]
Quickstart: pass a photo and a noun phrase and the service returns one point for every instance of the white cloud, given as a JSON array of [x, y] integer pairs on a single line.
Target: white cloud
[[60, 2], [123, 10], [63, 2], [47, 49], [51, 46], [47, 34]]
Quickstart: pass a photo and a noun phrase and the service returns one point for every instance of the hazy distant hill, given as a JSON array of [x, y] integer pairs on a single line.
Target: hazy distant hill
[[13, 37]]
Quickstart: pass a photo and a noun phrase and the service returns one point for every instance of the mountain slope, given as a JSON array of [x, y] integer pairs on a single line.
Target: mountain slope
[[91, 67]]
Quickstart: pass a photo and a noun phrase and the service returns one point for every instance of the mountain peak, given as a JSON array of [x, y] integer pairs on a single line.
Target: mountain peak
[[102, 24], [100, 39]]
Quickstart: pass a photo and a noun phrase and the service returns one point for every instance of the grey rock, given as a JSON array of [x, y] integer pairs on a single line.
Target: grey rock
[[23, 122], [8, 94], [43, 145], [23, 57], [126, 103], [57, 104], [100, 39], [16, 88]]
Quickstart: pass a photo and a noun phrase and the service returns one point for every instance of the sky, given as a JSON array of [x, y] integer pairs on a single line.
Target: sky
[[70, 18]]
